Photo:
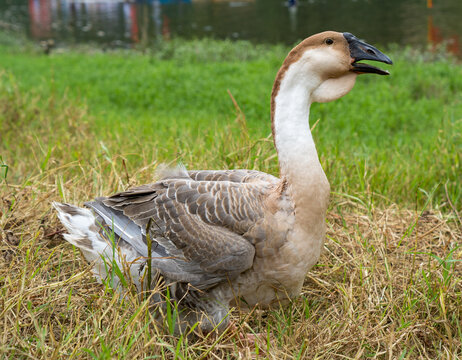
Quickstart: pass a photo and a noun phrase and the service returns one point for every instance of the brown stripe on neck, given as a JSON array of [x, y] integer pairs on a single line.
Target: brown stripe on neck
[[294, 55]]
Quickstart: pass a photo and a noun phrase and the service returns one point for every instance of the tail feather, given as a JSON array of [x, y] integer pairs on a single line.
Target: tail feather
[[122, 226], [80, 223], [97, 246], [107, 235]]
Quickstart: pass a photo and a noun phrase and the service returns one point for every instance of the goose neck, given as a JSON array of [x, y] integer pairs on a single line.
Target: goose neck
[[298, 159]]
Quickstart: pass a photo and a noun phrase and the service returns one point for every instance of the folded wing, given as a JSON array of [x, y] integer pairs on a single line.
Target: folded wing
[[203, 220]]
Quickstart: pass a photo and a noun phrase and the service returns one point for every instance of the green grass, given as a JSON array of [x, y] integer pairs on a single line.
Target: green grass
[[80, 124], [397, 137]]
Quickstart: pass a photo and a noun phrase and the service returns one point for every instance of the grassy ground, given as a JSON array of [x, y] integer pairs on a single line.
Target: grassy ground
[[81, 124]]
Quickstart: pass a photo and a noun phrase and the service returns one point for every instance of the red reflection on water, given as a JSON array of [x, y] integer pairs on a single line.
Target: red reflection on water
[[134, 22], [435, 38], [166, 28], [40, 18]]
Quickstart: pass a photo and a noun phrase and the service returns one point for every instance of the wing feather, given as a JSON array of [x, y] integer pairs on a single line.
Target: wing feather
[[201, 219]]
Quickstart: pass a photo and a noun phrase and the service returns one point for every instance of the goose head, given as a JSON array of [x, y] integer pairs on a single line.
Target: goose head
[[327, 64]]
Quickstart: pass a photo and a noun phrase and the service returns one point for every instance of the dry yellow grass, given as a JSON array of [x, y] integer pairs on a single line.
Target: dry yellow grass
[[384, 288]]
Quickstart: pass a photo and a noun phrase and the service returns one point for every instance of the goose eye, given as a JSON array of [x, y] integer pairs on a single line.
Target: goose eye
[[329, 41]]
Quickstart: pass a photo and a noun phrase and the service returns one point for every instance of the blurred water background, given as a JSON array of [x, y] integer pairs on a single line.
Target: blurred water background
[[117, 23]]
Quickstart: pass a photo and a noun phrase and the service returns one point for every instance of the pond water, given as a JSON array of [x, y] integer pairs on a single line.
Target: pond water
[[116, 23]]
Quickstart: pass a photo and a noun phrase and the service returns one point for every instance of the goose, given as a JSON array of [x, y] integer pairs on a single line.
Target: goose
[[229, 238]]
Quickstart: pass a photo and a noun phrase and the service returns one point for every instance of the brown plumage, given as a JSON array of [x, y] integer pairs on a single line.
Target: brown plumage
[[233, 236]]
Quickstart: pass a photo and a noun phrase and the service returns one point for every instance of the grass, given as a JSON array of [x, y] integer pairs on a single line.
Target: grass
[[172, 99], [80, 124]]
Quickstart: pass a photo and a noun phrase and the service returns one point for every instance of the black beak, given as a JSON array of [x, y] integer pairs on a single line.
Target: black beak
[[359, 50]]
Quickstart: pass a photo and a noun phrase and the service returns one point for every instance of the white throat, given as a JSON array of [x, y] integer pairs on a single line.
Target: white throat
[[298, 159], [292, 132]]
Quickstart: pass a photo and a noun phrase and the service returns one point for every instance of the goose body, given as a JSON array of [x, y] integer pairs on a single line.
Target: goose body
[[233, 237]]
